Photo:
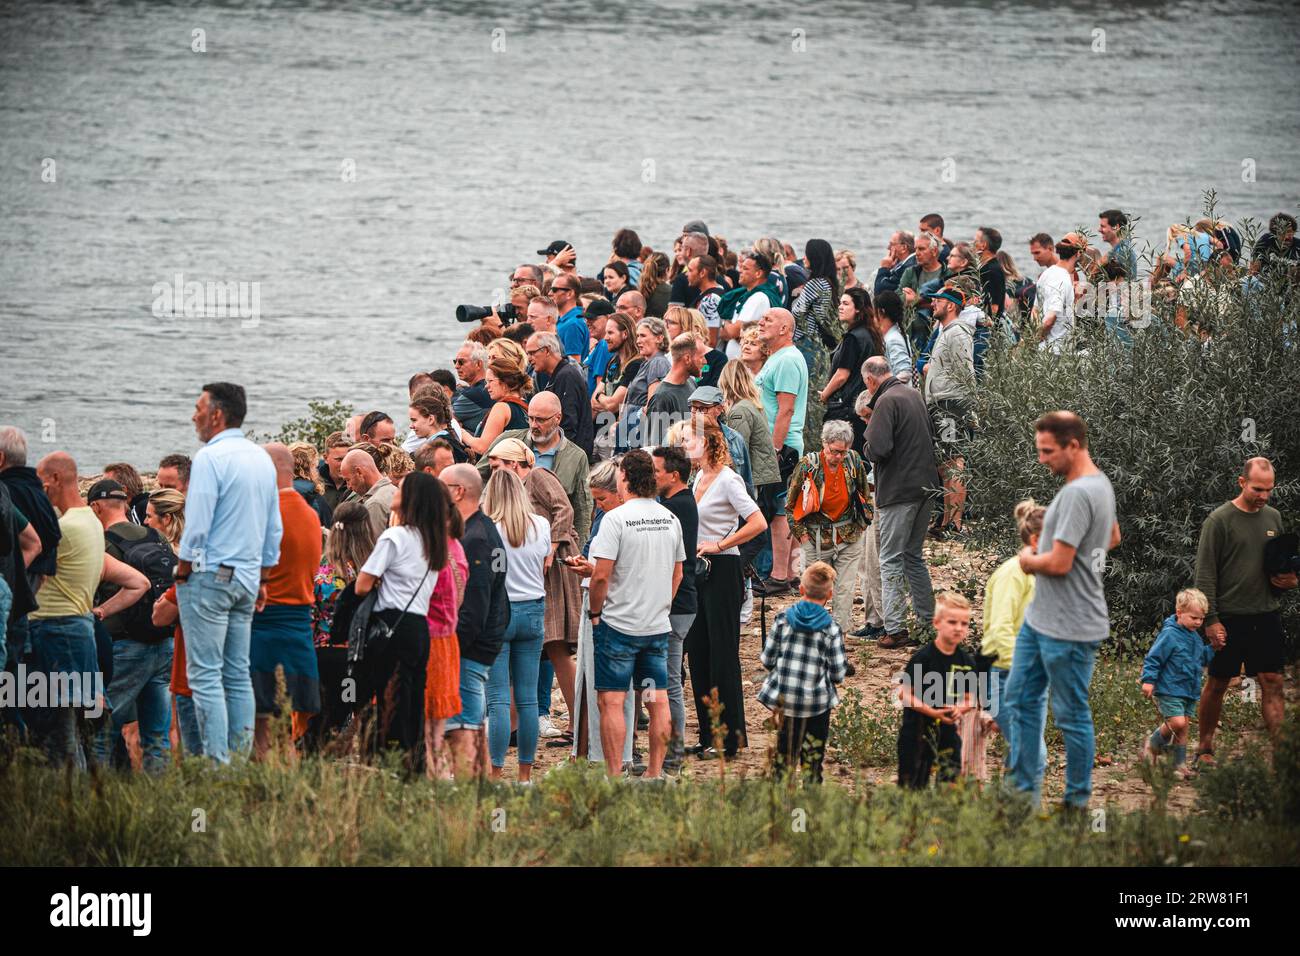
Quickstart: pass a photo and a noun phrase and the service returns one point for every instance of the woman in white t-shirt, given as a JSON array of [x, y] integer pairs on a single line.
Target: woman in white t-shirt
[[527, 540], [728, 517], [401, 567]]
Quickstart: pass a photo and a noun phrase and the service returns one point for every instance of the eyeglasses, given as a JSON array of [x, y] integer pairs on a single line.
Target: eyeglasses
[[459, 361], [532, 352], [541, 420], [556, 289]]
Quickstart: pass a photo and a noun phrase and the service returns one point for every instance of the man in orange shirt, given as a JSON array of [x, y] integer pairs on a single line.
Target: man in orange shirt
[[282, 624], [827, 503]]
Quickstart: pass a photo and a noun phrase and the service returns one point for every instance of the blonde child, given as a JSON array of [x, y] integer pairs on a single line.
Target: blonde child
[[936, 689], [1172, 672], [1006, 595]]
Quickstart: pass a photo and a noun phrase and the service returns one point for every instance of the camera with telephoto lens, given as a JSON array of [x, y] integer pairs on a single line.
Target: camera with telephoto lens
[[477, 313]]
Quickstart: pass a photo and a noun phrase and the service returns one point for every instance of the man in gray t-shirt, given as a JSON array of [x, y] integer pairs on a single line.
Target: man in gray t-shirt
[[671, 402], [1067, 618]]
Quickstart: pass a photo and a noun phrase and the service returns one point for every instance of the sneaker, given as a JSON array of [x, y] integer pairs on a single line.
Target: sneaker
[[870, 632], [547, 729]]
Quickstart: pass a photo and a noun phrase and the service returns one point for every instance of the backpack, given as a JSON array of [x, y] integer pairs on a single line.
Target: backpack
[[809, 501], [152, 556]]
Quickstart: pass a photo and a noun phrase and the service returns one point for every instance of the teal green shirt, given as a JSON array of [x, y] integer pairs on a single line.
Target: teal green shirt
[[786, 371]]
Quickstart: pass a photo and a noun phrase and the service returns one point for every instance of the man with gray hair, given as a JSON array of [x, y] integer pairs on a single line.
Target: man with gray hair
[[827, 501], [560, 376], [471, 402], [23, 488], [634, 304], [898, 259], [900, 444], [683, 293]]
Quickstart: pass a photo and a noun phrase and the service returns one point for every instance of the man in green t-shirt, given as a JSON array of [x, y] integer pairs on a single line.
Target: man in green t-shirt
[[1244, 623]]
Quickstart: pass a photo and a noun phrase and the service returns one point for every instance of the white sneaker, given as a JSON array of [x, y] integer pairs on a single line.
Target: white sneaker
[[747, 606], [546, 729]]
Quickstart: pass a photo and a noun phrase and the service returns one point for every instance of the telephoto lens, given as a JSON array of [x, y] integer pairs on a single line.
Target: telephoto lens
[[477, 313]]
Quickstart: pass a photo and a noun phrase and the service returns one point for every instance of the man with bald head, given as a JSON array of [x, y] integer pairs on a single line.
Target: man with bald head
[[560, 377], [481, 622], [230, 544], [62, 629], [374, 490], [782, 384], [1244, 623], [634, 304], [554, 452], [281, 635]]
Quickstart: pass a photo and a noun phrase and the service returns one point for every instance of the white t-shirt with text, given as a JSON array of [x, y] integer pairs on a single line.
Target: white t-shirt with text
[[644, 540]]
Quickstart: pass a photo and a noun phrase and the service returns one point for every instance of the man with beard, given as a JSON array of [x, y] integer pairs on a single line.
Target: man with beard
[[554, 452]]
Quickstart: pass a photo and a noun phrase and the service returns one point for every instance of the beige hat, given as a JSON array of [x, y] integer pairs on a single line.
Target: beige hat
[[512, 449]]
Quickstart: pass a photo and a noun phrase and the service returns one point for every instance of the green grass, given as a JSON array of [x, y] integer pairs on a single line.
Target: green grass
[[325, 813]]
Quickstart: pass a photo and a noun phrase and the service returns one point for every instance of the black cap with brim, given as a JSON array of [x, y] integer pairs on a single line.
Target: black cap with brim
[[105, 489], [559, 245]]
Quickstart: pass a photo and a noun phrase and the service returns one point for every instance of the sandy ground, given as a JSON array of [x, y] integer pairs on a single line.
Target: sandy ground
[[1115, 776]]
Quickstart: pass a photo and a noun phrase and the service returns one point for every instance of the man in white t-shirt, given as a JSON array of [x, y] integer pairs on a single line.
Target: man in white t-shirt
[[1054, 301], [630, 601]]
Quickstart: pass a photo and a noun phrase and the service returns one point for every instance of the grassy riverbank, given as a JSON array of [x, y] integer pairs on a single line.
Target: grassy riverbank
[[327, 813]]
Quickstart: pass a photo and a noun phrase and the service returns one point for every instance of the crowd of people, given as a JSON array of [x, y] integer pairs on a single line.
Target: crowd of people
[[618, 468]]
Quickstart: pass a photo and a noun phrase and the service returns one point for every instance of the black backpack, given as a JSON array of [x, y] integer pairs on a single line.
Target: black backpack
[[152, 556]]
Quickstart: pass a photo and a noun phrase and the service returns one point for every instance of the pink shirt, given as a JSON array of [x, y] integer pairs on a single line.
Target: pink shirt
[[444, 605]]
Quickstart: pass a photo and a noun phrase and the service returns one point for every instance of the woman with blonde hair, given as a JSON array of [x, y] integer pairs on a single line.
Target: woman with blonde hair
[[306, 480], [165, 513], [753, 350], [745, 416], [728, 517], [507, 386], [526, 538]]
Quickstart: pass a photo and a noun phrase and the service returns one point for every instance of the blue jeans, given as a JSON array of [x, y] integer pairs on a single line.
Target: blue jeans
[[998, 707], [217, 618], [1065, 667], [63, 650], [630, 658], [545, 678], [681, 626], [141, 674], [473, 696], [6, 602], [516, 666], [187, 719]]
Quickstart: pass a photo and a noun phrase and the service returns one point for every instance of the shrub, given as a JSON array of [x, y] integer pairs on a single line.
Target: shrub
[[1170, 421], [321, 420], [866, 737]]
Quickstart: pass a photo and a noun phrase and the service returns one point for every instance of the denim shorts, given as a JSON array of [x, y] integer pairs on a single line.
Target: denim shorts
[[621, 657], [473, 696], [1176, 706]]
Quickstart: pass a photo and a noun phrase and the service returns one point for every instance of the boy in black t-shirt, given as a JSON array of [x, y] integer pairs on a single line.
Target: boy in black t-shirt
[[937, 687]]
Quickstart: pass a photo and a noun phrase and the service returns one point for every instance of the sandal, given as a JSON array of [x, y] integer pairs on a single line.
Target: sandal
[[1205, 760]]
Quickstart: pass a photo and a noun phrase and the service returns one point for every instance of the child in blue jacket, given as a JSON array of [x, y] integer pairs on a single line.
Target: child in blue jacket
[[1172, 674]]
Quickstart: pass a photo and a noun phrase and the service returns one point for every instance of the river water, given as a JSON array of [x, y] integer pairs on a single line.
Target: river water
[[364, 168]]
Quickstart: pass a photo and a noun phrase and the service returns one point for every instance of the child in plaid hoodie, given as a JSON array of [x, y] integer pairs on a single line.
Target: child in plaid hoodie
[[804, 653]]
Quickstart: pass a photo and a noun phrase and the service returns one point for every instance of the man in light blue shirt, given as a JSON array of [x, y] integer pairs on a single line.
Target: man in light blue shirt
[[230, 544], [571, 327]]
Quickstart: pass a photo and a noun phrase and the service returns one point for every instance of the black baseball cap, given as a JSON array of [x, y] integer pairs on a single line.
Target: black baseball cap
[[557, 246], [106, 488], [598, 307]]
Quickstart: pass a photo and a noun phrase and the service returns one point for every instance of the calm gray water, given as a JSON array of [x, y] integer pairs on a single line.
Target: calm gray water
[[227, 165]]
